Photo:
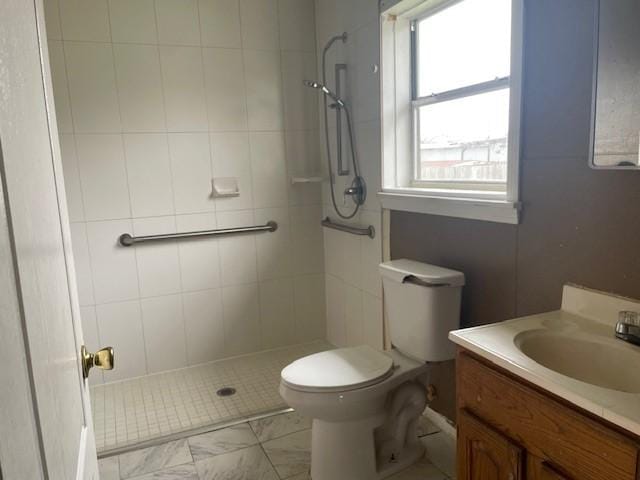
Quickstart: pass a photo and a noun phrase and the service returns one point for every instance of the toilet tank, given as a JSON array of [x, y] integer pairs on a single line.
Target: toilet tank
[[422, 305]]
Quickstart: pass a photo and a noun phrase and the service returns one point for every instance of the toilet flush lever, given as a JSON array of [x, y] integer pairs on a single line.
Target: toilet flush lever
[[417, 281]]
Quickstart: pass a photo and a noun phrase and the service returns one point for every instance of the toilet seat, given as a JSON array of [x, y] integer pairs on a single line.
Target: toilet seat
[[338, 370]]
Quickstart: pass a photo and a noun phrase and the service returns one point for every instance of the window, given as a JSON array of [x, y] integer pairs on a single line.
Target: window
[[457, 66]]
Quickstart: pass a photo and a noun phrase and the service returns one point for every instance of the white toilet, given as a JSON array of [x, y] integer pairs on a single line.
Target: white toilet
[[364, 403]]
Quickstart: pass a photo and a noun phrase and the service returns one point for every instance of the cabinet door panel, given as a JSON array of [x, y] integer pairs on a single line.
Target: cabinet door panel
[[543, 426], [484, 454]]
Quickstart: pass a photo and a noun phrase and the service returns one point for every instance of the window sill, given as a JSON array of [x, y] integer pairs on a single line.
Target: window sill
[[499, 211]]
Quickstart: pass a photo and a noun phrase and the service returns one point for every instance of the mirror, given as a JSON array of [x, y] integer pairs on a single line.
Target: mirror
[[615, 138]]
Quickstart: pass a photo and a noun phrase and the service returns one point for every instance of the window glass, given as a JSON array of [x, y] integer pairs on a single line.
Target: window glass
[[464, 140], [465, 44]]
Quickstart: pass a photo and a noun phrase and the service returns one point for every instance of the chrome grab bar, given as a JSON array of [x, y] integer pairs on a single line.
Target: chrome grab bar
[[126, 240], [368, 231]]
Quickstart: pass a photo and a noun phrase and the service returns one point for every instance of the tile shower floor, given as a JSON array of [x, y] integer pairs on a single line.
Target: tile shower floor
[[273, 448], [134, 411]]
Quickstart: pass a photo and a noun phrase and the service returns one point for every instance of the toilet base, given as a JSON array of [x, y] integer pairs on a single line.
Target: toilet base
[[347, 451], [411, 455], [365, 433]]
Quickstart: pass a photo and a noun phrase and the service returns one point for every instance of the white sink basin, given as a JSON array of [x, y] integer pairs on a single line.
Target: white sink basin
[[604, 362], [571, 353]]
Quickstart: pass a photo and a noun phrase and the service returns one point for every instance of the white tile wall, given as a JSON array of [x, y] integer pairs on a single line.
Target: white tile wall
[[264, 90], [139, 83], [199, 258], [353, 315], [158, 263], [92, 87], [204, 326], [120, 326], [277, 312], [259, 19], [220, 23], [303, 159], [149, 174], [231, 158], [133, 21], [103, 176], [300, 102], [52, 13], [184, 93], [307, 240], [191, 170], [224, 79], [309, 313], [241, 318], [165, 340], [114, 270], [353, 287], [153, 99], [274, 251], [269, 169], [295, 16], [178, 22], [85, 20]]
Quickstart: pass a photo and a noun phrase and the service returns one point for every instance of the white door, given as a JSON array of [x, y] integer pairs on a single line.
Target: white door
[[45, 416]]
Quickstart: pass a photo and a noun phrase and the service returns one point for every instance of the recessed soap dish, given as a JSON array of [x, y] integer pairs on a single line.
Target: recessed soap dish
[[225, 187]]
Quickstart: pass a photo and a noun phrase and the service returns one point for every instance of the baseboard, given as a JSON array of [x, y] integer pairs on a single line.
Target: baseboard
[[443, 423]]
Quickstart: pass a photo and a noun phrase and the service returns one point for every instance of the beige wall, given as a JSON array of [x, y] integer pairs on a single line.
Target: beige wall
[[578, 225]]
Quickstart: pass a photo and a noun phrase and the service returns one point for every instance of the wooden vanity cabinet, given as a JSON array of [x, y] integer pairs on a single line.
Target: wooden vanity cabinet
[[485, 454], [509, 429]]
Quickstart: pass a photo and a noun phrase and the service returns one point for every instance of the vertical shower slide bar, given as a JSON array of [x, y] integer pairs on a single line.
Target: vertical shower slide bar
[[340, 75]]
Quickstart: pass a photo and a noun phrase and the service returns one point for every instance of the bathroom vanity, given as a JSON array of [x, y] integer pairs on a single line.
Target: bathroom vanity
[[550, 396]]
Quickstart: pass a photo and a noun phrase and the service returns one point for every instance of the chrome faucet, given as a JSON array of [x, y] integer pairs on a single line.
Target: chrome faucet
[[628, 327]]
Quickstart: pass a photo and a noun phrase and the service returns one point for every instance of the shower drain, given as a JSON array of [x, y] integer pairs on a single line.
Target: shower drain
[[226, 392]]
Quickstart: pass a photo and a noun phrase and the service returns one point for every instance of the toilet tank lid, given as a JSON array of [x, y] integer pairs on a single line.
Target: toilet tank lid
[[401, 269]]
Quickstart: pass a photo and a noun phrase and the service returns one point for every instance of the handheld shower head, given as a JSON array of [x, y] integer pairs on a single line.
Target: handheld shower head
[[324, 90]]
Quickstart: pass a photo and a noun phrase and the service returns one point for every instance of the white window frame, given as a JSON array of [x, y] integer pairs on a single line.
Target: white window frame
[[400, 190]]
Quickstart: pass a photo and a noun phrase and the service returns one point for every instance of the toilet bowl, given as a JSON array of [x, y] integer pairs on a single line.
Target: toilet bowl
[[364, 403], [346, 392]]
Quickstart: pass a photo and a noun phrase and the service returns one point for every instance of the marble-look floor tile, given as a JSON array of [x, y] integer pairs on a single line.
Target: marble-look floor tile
[[426, 426], [247, 464], [222, 441], [300, 476], [109, 468], [181, 472], [279, 425], [441, 450], [421, 470], [290, 455], [153, 459]]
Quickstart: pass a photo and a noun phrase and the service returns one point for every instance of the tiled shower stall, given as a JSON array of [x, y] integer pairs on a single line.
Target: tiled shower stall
[[155, 99]]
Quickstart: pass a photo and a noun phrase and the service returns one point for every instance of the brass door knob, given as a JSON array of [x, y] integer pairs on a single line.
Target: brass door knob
[[102, 359]]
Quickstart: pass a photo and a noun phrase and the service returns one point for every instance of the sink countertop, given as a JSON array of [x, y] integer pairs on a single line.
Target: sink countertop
[[583, 312]]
